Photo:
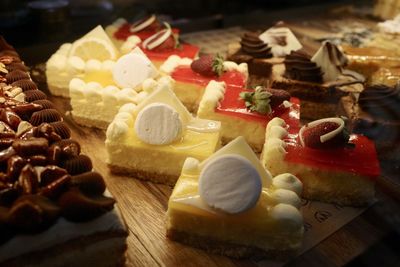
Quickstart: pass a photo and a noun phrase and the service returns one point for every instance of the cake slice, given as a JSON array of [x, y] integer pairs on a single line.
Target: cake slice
[[247, 112], [333, 166], [319, 81], [97, 96], [375, 113], [192, 77], [160, 46], [121, 30], [229, 204], [54, 209], [72, 60], [151, 140]]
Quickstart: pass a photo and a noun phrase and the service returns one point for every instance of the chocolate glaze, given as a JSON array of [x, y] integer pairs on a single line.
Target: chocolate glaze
[[252, 45], [298, 66]]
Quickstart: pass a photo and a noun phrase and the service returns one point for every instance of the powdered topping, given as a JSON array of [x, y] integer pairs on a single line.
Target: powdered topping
[[326, 133], [254, 46], [263, 100], [298, 66], [331, 61]]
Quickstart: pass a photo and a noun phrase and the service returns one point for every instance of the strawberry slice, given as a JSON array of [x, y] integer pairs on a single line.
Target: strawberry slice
[[208, 65], [311, 136]]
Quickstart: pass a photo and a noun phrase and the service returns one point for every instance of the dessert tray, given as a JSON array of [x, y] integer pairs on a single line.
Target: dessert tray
[[332, 232]]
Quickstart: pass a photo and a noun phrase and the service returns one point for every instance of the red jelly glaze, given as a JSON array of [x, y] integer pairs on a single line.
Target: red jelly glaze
[[361, 159], [184, 50], [123, 33], [233, 105], [187, 75]]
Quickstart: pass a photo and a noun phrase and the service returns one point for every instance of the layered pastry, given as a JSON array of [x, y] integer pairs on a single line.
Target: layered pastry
[[230, 205], [318, 81], [247, 112], [375, 113], [151, 140], [261, 51], [54, 209], [120, 30], [161, 45], [192, 77], [97, 96], [333, 166], [72, 60]]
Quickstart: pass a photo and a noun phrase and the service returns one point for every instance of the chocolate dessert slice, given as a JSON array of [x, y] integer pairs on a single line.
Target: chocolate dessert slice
[[319, 81], [54, 209], [255, 53], [375, 112]]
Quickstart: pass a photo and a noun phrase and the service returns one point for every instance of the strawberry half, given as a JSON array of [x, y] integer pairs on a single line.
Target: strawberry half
[[311, 136], [277, 97], [208, 65]]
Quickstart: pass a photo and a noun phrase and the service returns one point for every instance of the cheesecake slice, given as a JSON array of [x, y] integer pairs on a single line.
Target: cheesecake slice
[[230, 205], [97, 96], [241, 115], [192, 77], [151, 140], [333, 166]]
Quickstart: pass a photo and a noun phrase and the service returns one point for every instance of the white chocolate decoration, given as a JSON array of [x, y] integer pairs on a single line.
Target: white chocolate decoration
[[331, 61], [230, 183], [326, 137], [157, 38], [158, 124], [132, 69], [140, 25], [282, 41]]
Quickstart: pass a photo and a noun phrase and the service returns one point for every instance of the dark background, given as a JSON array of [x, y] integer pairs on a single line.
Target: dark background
[[53, 22]]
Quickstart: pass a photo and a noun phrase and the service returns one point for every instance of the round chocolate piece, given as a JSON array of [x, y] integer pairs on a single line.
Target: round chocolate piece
[[62, 129], [46, 104], [16, 75], [25, 84], [32, 95], [46, 115], [16, 66], [77, 165]]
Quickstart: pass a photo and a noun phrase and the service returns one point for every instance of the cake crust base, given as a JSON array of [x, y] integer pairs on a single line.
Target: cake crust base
[[226, 248], [154, 177], [90, 123]]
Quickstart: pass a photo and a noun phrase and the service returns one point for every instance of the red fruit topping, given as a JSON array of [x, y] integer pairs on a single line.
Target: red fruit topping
[[208, 65], [168, 44], [311, 135]]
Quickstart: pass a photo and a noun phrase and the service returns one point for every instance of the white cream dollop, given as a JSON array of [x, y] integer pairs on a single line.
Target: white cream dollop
[[288, 215], [130, 44], [288, 181], [230, 183], [174, 61]]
